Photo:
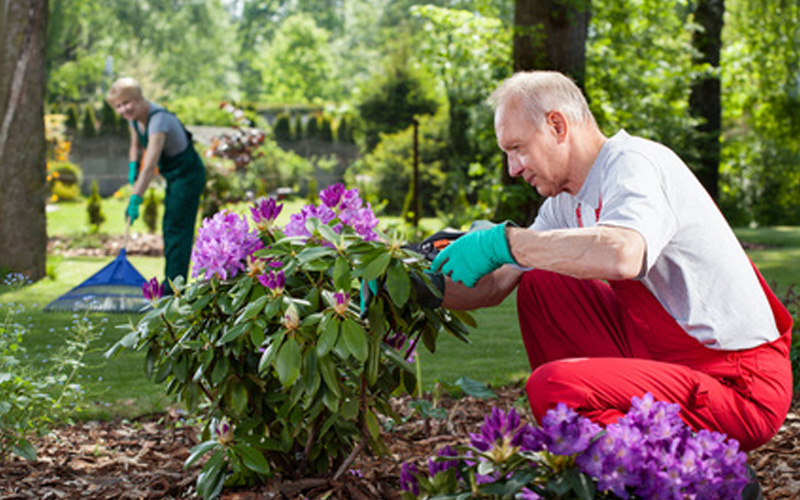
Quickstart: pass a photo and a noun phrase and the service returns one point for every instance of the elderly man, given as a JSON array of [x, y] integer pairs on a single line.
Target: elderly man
[[629, 280]]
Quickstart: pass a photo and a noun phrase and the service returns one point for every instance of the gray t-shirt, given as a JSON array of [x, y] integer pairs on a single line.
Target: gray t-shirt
[[163, 121], [695, 265]]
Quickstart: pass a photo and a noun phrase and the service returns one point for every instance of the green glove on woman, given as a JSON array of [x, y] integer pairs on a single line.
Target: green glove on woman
[[474, 255], [132, 212]]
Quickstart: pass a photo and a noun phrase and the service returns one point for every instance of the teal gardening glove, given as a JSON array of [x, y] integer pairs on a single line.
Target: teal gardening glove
[[133, 172], [132, 212], [474, 255]]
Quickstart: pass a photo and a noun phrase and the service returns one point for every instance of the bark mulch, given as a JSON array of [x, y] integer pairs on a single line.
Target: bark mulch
[[143, 459]]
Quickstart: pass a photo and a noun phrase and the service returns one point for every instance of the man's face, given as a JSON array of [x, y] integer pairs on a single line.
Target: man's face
[[535, 154]]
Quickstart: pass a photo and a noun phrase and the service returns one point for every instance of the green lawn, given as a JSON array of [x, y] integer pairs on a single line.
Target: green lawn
[[118, 387]]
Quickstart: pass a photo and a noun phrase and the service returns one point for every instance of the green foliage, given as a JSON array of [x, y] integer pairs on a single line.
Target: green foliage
[[64, 180], [94, 208], [293, 378], [89, 122], [385, 175], [296, 65], [150, 211], [344, 132], [393, 98], [71, 122], [298, 131], [761, 113], [33, 401], [199, 111], [645, 95], [312, 128], [325, 129], [283, 127]]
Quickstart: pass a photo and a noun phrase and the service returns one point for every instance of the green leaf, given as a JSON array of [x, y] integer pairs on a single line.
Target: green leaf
[[269, 353], [253, 309], [355, 339], [288, 362], [242, 290], [328, 335], [474, 388], [328, 370], [234, 333], [24, 449], [198, 451], [581, 484], [220, 371], [252, 458], [341, 274], [376, 267], [398, 283], [239, 397]]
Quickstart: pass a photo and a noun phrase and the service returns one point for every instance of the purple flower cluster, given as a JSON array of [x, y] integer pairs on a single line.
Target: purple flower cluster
[[401, 342], [223, 244], [337, 203], [652, 453], [649, 453]]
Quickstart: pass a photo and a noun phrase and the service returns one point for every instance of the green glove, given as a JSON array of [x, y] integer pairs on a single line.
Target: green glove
[[474, 255], [133, 171], [132, 212]]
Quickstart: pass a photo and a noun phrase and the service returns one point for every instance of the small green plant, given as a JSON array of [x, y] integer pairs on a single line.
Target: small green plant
[[94, 209], [150, 213], [33, 400]]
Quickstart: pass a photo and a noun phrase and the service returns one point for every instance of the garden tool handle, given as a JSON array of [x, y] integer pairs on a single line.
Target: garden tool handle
[[127, 229]]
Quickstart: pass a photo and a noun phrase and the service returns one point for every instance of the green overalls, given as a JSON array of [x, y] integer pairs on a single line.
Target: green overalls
[[186, 179]]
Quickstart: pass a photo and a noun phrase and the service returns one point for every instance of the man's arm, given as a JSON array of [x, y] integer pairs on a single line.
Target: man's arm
[[489, 291], [600, 252]]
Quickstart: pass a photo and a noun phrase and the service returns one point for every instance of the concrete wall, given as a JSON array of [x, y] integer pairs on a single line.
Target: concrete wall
[[105, 158]]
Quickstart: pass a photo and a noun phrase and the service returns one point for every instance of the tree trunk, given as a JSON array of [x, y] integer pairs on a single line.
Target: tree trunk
[[704, 100], [548, 35], [23, 228], [551, 35]]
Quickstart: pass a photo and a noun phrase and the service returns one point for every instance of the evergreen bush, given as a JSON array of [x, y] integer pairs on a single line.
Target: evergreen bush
[[89, 122], [94, 208]]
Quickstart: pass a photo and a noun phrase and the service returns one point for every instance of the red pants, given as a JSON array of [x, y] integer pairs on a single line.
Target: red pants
[[593, 346]]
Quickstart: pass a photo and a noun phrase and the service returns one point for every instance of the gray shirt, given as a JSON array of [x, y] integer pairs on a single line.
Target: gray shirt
[[695, 265]]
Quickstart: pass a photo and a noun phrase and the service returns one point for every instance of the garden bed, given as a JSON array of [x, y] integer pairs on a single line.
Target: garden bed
[[143, 459]]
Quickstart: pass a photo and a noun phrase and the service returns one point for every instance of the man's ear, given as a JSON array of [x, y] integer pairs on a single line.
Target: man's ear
[[557, 122]]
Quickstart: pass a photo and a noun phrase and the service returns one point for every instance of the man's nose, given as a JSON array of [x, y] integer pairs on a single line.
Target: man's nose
[[514, 166]]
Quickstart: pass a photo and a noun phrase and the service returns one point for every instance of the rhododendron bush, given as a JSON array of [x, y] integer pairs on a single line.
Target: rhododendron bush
[[271, 345]]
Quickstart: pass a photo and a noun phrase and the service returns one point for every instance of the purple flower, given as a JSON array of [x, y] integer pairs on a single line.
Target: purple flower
[[437, 466], [341, 302], [224, 431], [564, 432], [339, 203], [408, 478], [223, 244], [265, 212], [501, 434], [400, 342], [152, 290], [275, 281]]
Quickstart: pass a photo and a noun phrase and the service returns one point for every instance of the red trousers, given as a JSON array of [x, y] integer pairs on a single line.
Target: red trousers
[[594, 345]]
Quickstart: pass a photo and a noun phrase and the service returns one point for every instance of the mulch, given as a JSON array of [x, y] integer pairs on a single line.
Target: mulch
[[143, 459]]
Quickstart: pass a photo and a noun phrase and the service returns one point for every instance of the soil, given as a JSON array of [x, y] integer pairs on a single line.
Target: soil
[[143, 459]]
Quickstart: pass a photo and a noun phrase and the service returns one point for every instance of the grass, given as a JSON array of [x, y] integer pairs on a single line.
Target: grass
[[118, 387]]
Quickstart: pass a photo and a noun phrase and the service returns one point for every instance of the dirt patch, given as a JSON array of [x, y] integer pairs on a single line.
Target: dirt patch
[[143, 459], [106, 245]]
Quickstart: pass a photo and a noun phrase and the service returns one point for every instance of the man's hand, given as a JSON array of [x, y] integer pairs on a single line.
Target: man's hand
[[133, 172], [474, 255], [132, 212]]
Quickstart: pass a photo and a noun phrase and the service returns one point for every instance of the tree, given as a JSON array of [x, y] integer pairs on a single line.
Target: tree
[[705, 99], [23, 232], [551, 34]]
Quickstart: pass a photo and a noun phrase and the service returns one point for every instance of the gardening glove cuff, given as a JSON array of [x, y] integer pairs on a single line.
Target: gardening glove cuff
[[132, 212], [474, 255], [133, 171]]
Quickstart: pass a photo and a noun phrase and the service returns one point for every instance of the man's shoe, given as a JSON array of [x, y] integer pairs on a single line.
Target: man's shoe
[[752, 491]]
